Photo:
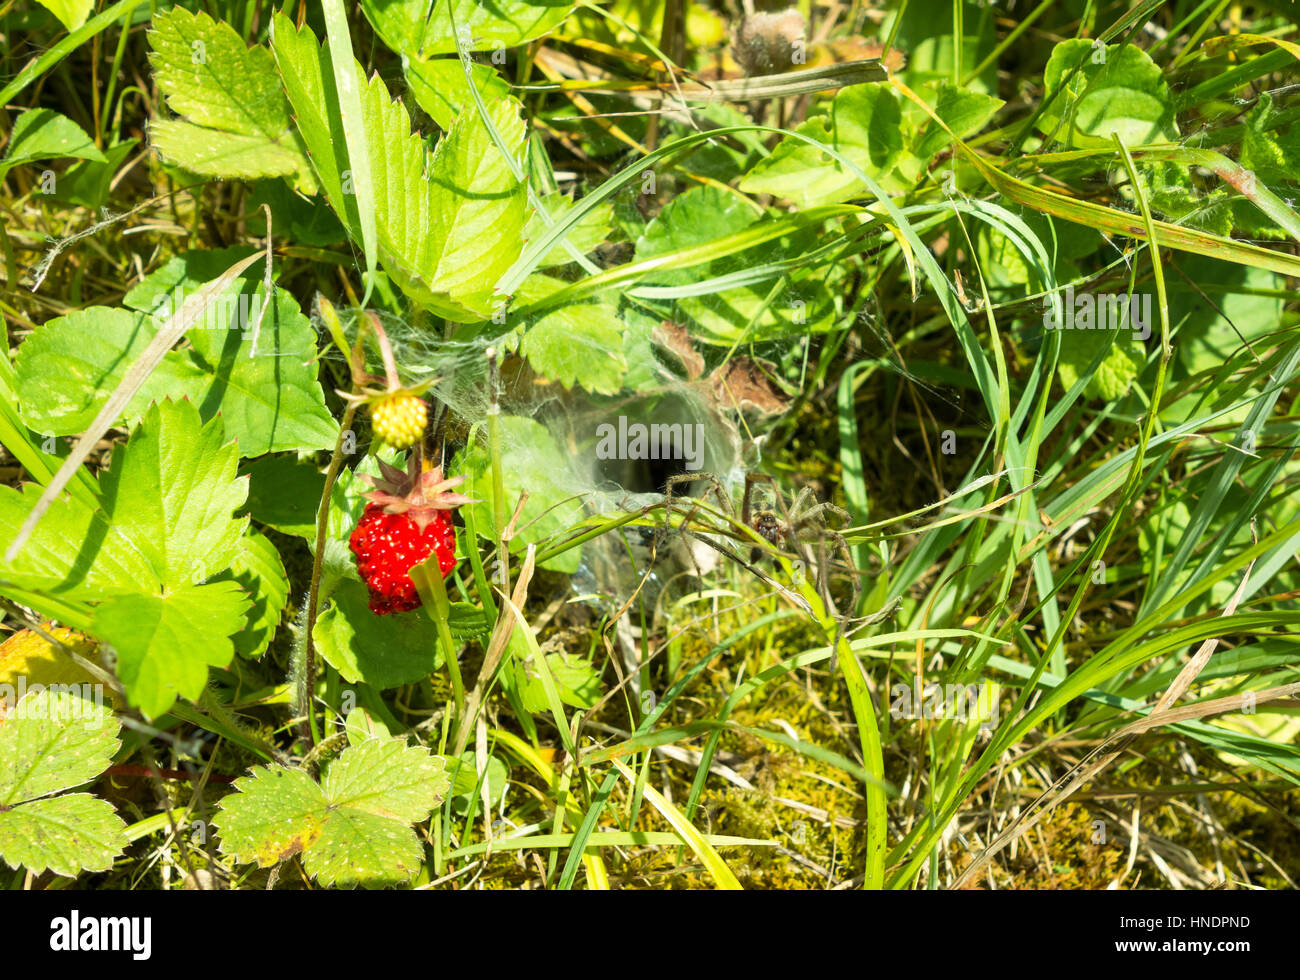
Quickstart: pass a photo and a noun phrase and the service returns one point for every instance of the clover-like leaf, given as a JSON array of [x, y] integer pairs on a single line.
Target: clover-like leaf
[[54, 739], [355, 828], [237, 121]]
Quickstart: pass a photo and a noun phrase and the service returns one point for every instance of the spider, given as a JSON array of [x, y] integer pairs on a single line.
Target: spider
[[786, 529]]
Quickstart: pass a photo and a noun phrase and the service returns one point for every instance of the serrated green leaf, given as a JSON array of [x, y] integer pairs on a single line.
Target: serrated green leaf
[[172, 489], [165, 521], [213, 153], [382, 651], [478, 207], [187, 272], [67, 369], [64, 834], [353, 830], [356, 131], [259, 572], [52, 740], [78, 556], [440, 88], [362, 848], [749, 312], [388, 779], [148, 532], [1115, 373], [166, 643], [275, 813], [590, 232], [269, 402], [238, 122], [575, 344], [449, 223], [1269, 148], [864, 123], [1118, 90], [268, 393]]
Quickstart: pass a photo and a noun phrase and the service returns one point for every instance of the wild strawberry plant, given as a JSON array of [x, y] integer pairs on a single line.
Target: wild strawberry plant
[[624, 435]]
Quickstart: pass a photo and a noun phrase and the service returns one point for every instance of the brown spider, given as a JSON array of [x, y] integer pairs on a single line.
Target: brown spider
[[791, 530]]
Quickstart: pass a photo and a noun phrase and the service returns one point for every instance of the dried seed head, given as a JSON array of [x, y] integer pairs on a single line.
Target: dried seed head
[[766, 43]]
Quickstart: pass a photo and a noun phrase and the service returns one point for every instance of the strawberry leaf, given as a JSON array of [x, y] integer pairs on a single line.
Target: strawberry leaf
[[355, 829], [238, 121], [577, 343], [259, 572], [163, 527], [410, 28], [165, 643], [63, 834], [172, 490], [449, 223], [53, 740], [270, 402]]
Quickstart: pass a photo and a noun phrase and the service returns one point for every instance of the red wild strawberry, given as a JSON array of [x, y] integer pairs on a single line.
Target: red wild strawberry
[[407, 520]]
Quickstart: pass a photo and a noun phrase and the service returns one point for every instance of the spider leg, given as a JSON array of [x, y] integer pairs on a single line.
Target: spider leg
[[726, 552], [812, 517], [713, 486], [826, 507], [666, 528]]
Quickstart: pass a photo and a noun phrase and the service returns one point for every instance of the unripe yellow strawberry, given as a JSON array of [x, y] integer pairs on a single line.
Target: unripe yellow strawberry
[[400, 419]]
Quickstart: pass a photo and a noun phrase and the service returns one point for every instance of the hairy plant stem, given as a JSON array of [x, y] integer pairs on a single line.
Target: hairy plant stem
[[356, 366], [318, 562]]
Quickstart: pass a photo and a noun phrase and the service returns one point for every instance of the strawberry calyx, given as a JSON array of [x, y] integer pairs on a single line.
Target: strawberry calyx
[[421, 492]]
